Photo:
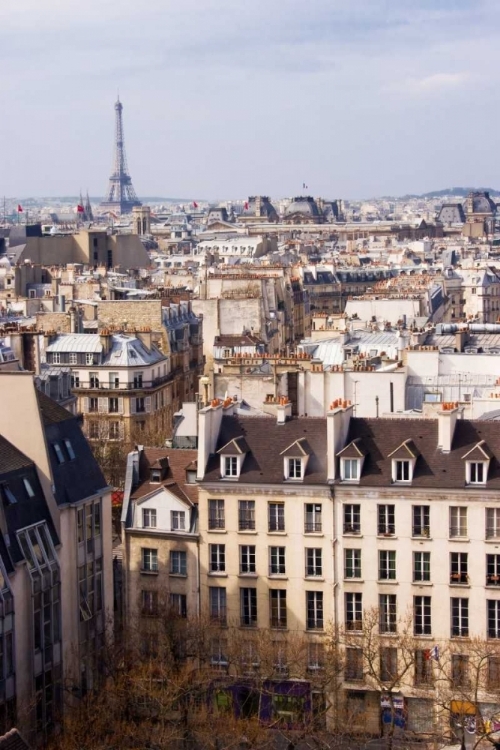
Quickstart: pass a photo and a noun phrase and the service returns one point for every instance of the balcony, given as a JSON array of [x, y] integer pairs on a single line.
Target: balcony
[[133, 385]]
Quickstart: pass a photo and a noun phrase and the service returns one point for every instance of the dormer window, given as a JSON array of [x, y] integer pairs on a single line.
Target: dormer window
[[231, 466], [232, 456], [294, 468], [403, 470], [351, 461], [349, 469], [477, 462], [404, 459], [155, 476]]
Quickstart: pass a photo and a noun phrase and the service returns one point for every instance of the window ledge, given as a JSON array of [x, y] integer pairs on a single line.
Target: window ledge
[[278, 576], [317, 534], [248, 575], [354, 580], [277, 533], [314, 578], [178, 575], [217, 574], [457, 584], [217, 531], [387, 581], [386, 536], [459, 539], [422, 583], [493, 540], [422, 538], [353, 534], [248, 532], [149, 572]]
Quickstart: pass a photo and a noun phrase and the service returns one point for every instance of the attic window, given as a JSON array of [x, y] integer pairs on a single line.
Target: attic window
[[402, 470], [476, 472], [69, 448], [191, 476], [349, 469], [28, 487], [6, 494], [231, 468], [155, 476], [59, 453]]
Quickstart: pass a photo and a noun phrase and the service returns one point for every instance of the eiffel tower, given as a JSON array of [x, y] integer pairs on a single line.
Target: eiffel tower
[[121, 195]]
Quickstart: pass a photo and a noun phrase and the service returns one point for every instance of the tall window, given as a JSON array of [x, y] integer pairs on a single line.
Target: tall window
[[277, 561], [459, 617], [352, 519], [492, 523], [178, 562], [314, 564], [216, 519], [493, 570], [458, 521], [350, 469], [353, 671], [422, 624], [477, 472], [178, 520], [149, 518], [246, 515], [421, 566], [178, 604], [493, 606], [387, 565], [493, 673], [403, 471], [459, 670], [387, 613], [386, 520], [354, 611], [313, 521], [421, 520], [314, 607], [247, 558], [315, 656], [230, 466], [276, 516], [423, 667], [217, 553], [217, 604], [149, 559], [459, 567], [294, 468], [352, 563], [278, 608], [149, 603], [388, 657], [248, 607]]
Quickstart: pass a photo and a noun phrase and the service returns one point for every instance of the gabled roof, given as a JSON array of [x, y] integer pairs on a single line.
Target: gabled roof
[[298, 448], [355, 449], [480, 452], [237, 445], [179, 460], [160, 463], [408, 449]]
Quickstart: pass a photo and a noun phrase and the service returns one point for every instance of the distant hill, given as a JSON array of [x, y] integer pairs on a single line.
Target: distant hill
[[459, 192]]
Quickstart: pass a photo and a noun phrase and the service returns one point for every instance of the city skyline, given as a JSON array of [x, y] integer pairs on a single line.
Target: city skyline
[[220, 100]]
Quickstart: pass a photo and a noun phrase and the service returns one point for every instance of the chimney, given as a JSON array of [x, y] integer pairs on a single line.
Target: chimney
[[337, 427], [209, 422], [105, 338], [283, 410], [461, 338], [144, 335], [447, 419]]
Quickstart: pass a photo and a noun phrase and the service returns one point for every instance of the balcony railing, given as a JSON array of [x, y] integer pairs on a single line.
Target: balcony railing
[[133, 385], [311, 527]]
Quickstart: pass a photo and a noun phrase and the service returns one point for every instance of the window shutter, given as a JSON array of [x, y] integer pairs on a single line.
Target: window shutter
[[120, 406], [147, 404], [122, 431], [86, 405], [132, 405], [103, 405]]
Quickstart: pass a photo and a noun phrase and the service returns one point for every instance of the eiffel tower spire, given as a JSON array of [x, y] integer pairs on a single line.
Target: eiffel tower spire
[[121, 194]]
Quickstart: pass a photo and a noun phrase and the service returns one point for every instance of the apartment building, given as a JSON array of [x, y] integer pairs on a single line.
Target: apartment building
[[55, 559]]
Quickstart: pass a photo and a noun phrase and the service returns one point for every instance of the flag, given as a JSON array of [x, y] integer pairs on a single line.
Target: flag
[[304, 186], [19, 208], [246, 206], [435, 653], [195, 205], [80, 209]]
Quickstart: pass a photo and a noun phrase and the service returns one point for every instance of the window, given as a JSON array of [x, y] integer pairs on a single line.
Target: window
[[178, 520], [149, 518], [93, 405], [217, 555], [247, 558], [59, 453], [422, 615], [493, 608], [218, 653], [387, 613], [402, 470], [294, 468], [69, 449], [114, 380], [140, 405], [352, 519], [458, 521], [28, 487], [353, 611], [93, 376], [178, 604], [423, 667], [314, 564], [149, 606], [276, 516], [477, 472], [75, 379], [149, 559], [248, 607], [217, 604], [56, 358], [458, 567], [493, 570], [459, 670], [137, 378], [492, 523], [277, 598], [114, 430], [386, 520], [314, 610], [387, 565], [460, 617], [421, 521], [230, 466], [246, 515], [313, 521], [315, 656], [421, 566], [352, 563], [388, 657], [178, 562], [353, 664], [349, 469], [277, 561], [493, 673], [216, 519]]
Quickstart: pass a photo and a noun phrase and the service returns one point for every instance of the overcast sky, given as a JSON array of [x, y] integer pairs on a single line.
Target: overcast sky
[[226, 98]]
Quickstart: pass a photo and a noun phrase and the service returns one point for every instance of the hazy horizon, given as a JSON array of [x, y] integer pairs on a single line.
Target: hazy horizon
[[234, 99]]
